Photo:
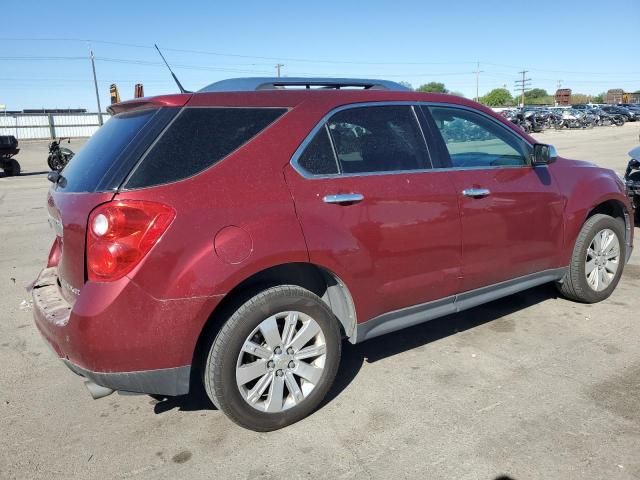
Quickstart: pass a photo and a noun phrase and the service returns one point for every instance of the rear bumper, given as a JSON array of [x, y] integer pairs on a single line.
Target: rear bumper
[[165, 381], [120, 337]]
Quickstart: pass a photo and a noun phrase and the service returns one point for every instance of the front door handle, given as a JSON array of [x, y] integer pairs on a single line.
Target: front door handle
[[344, 198], [476, 192]]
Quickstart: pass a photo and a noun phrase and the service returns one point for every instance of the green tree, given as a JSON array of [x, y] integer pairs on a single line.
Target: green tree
[[538, 96], [599, 98], [578, 98], [498, 97], [433, 87], [406, 84], [535, 93]]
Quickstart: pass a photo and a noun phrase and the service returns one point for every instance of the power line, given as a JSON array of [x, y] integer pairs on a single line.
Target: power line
[[523, 84], [478, 72]]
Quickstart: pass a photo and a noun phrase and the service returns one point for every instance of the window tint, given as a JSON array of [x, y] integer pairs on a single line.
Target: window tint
[[103, 151], [318, 157], [378, 139], [476, 141], [197, 139]]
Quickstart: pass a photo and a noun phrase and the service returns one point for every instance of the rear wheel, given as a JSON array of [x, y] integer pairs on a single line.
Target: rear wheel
[[11, 167], [275, 359], [597, 261]]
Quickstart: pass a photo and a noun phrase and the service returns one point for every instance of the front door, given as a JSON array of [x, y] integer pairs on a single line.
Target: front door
[[374, 212], [511, 212]]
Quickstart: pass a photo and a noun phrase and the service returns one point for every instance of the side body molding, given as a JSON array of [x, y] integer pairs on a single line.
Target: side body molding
[[407, 317]]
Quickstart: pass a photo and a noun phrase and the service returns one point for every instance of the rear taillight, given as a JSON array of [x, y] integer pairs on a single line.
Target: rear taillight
[[121, 233]]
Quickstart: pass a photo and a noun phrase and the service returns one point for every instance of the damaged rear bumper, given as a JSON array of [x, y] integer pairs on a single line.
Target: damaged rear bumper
[[119, 337]]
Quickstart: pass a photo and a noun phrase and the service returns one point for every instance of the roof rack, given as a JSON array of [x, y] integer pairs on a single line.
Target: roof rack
[[280, 83]]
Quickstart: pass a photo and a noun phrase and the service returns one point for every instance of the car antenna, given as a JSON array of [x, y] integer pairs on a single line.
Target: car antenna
[[182, 90]]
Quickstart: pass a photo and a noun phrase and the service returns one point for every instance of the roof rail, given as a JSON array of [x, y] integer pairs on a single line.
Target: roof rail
[[279, 83]]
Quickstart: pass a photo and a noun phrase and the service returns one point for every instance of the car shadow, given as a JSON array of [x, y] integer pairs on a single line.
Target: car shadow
[[354, 356], [23, 174], [379, 348]]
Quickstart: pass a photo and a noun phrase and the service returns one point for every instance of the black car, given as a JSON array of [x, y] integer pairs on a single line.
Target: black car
[[629, 115]]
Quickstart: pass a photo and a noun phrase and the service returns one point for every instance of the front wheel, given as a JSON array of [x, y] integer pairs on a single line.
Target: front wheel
[[274, 359], [55, 162], [597, 261]]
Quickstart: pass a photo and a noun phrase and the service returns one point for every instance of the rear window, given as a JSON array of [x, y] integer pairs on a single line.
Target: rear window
[[87, 169], [197, 139]]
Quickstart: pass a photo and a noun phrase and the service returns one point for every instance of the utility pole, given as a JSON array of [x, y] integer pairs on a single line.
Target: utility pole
[[95, 84], [478, 72], [559, 84], [278, 66], [523, 84]]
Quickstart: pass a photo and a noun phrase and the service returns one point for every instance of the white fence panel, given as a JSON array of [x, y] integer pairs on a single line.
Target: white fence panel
[[25, 126], [76, 131]]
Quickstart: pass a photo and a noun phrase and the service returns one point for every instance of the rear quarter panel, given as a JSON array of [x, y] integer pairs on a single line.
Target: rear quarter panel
[[246, 196]]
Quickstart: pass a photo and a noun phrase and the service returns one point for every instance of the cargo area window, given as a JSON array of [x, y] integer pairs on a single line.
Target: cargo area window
[[197, 139]]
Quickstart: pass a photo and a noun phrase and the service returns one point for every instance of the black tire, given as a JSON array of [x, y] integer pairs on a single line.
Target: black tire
[[220, 368], [11, 167], [56, 162], [574, 285]]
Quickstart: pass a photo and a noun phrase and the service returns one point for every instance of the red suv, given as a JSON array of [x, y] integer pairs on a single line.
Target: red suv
[[236, 235]]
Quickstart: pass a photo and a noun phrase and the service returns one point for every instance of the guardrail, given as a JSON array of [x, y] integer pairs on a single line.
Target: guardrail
[[32, 126]]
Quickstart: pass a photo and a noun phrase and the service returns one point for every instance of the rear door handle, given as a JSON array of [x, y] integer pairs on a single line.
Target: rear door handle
[[344, 198], [476, 192]]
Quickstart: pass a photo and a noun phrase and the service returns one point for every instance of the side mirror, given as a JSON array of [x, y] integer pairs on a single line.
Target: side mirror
[[543, 154]]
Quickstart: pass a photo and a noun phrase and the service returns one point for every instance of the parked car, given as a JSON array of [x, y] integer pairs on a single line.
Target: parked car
[[628, 115], [231, 238]]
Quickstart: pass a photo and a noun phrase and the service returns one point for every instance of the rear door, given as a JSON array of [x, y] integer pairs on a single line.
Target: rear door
[[374, 212], [511, 212]]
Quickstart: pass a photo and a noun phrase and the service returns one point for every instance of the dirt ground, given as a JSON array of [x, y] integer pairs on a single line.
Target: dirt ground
[[531, 387]]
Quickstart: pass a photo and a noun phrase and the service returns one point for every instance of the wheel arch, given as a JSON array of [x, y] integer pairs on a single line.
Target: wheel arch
[[319, 280], [615, 208]]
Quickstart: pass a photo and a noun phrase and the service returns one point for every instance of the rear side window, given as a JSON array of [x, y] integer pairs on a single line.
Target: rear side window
[[318, 158], [378, 139], [197, 139], [103, 151]]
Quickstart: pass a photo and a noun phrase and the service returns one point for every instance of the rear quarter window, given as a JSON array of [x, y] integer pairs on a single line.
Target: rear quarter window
[[197, 139]]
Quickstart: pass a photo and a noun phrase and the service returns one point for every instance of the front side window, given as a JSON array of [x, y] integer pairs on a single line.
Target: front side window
[[378, 139], [474, 140]]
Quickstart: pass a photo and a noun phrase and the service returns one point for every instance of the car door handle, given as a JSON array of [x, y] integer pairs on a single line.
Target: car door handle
[[344, 198], [476, 192]]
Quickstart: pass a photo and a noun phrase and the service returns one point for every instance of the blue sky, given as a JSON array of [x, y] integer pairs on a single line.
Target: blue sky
[[589, 45]]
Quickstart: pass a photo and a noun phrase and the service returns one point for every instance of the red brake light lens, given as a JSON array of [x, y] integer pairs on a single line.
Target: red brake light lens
[[121, 233]]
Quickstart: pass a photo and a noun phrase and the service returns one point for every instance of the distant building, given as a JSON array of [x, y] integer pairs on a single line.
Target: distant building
[[563, 96], [618, 95]]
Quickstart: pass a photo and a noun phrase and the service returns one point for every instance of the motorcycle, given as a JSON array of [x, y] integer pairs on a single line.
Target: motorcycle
[[632, 180], [59, 156]]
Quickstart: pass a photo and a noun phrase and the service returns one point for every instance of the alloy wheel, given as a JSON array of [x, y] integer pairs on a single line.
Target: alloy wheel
[[281, 362], [603, 259]]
